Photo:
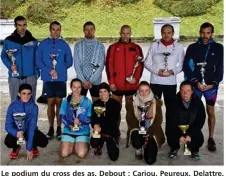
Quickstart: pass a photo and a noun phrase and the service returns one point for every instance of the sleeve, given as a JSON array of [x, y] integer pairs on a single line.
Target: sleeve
[[110, 64], [148, 63], [39, 60], [31, 128], [218, 75], [99, 71], [140, 68], [37, 70], [63, 114], [10, 123], [86, 119], [6, 61], [94, 117], [68, 56], [178, 67], [199, 121], [189, 66], [77, 63]]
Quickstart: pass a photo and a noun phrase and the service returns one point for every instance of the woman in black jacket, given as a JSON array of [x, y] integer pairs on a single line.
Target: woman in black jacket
[[106, 123], [187, 109]]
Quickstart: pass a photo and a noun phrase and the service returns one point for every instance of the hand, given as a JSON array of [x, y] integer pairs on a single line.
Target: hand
[[113, 87], [53, 73], [133, 81], [207, 87], [200, 87], [160, 72], [19, 134], [9, 54], [89, 84], [188, 139], [76, 121], [13, 68], [182, 139], [29, 156], [85, 84], [97, 128]]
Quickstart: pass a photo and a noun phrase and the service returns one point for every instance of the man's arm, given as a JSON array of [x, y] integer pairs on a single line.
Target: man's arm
[[148, 63], [180, 60], [140, 68], [37, 70], [10, 123], [77, 64], [110, 64], [5, 59], [68, 56]]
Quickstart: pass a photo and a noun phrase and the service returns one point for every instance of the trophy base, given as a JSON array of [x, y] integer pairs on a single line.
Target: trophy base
[[20, 142], [55, 77], [142, 132], [75, 129], [188, 153], [96, 136], [165, 73], [15, 74], [203, 86], [129, 79]]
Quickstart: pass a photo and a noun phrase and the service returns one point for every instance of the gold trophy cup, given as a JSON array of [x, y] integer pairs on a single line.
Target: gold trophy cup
[[184, 129], [99, 110], [75, 106]]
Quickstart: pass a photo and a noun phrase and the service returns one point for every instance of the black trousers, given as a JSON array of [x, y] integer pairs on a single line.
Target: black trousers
[[150, 148], [39, 140], [196, 142], [112, 147]]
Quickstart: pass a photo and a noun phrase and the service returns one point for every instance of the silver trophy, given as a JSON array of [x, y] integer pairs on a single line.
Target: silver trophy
[[19, 120], [138, 59], [142, 123], [166, 54], [10, 53], [202, 70], [94, 67], [54, 63]]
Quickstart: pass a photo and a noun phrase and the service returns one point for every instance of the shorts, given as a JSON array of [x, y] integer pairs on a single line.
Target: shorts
[[210, 95], [94, 92], [56, 89], [73, 138], [124, 92]]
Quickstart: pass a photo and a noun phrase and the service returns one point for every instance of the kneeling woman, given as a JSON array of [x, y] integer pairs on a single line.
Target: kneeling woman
[[106, 123], [151, 120], [75, 112]]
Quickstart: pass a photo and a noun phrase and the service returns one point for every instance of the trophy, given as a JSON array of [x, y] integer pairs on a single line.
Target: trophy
[[99, 110], [54, 63], [13, 59], [184, 129], [94, 67], [138, 59], [74, 106], [19, 120], [202, 70], [166, 54], [142, 122]]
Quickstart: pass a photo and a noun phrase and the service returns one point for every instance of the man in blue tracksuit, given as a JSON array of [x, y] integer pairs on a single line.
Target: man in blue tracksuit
[[24, 106], [54, 58], [24, 45], [204, 63]]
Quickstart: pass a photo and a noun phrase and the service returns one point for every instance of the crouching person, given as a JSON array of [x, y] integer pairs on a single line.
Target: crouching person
[[21, 125], [149, 133], [105, 115], [75, 113]]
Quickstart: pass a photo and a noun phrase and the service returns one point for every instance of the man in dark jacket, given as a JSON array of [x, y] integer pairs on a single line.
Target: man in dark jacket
[[106, 123], [187, 109], [203, 66], [18, 55]]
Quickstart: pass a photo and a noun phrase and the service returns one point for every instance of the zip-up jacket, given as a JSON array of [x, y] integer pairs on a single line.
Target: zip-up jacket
[[212, 54], [44, 61], [120, 61], [30, 121], [25, 55]]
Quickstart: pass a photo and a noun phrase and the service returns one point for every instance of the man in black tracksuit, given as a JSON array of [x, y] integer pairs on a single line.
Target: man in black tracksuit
[[205, 54], [187, 109], [106, 124]]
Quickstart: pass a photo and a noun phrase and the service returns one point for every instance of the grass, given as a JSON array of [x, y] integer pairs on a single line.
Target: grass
[[109, 20]]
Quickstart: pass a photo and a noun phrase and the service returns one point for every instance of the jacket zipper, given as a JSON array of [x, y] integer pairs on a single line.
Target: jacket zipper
[[22, 61]]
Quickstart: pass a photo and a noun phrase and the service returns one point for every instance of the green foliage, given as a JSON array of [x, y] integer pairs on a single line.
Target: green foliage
[[185, 8]]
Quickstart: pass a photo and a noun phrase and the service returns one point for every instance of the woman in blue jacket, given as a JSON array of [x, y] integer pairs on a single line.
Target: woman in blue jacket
[[75, 111], [54, 58], [26, 128]]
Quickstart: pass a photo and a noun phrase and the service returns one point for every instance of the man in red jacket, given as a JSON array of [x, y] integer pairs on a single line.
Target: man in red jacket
[[120, 62]]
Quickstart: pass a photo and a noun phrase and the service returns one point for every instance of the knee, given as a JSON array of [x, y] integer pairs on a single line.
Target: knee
[[64, 154], [82, 154], [137, 140]]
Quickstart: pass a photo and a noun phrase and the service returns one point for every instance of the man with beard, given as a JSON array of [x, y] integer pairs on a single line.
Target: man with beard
[[89, 56], [203, 66], [21, 47]]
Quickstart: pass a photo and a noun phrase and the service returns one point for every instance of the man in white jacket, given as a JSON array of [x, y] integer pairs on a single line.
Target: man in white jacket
[[165, 60]]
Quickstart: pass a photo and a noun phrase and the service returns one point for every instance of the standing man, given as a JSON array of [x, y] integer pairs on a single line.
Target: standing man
[[54, 58], [120, 62], [89, 56], [18, 55], [203, 66], [165, 60]]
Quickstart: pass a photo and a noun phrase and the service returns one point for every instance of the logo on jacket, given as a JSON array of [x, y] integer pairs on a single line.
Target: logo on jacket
[[117, 49], [212, 54]]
